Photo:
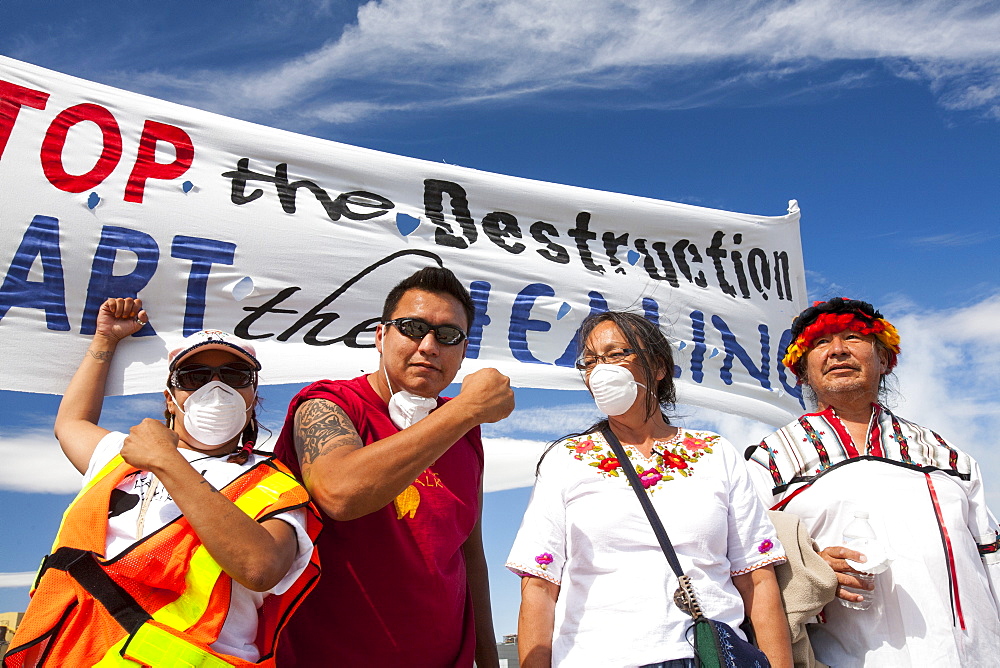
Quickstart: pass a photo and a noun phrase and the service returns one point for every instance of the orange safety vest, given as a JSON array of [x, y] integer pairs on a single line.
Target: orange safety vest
[[163, 600]]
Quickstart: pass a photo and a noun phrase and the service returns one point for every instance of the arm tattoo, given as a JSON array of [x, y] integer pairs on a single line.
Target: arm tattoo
[[321, 426], [210, 486], [101, 355]]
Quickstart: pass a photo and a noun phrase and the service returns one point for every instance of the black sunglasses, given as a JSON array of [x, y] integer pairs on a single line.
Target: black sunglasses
[[193, 376], [415, 328]]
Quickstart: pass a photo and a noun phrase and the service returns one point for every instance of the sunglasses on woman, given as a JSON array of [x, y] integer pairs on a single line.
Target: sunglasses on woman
[[234, 374], [417, 329]]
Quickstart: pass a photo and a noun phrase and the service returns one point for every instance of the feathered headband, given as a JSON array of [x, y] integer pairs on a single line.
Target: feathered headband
[[837, 315]]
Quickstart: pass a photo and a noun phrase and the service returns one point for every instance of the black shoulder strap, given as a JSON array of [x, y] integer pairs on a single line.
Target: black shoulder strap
[[83, 567]]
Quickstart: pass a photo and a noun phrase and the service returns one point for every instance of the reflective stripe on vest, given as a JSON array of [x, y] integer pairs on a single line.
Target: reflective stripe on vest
[[154, 646]]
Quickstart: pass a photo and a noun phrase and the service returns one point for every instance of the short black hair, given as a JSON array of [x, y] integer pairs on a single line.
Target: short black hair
[[436, 280]]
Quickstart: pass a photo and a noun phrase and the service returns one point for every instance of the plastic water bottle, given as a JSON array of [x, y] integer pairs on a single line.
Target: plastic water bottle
[[859, 536]]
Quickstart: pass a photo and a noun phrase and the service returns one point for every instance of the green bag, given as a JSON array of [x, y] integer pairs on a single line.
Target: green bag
[[716, 645]]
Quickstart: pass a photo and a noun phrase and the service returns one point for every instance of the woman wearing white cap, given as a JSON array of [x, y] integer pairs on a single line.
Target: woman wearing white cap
[[184, 542]]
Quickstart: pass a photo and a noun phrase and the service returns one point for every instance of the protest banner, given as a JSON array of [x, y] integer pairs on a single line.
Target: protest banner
[[292, 242]]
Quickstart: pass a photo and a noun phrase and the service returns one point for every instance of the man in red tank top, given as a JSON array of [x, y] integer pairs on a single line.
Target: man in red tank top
[[397, 472]]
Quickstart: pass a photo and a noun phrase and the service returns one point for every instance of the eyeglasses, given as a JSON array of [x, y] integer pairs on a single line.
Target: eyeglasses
[[588, 361], [193, 376], [415, 328]]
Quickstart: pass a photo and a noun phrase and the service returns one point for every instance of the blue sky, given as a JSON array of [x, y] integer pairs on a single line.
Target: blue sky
[[881, 119]]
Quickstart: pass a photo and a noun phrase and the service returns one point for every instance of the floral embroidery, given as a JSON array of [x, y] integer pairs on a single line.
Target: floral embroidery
[[649, 477], [694, 443], [671, 458], [609, 464], [765, 546], [674, 461], [543, 560]]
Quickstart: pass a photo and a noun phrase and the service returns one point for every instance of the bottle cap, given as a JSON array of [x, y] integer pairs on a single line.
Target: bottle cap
[[861, 514]]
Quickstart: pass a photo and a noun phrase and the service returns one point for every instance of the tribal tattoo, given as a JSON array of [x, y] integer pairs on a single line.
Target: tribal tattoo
[[321, 426], [101, 355]]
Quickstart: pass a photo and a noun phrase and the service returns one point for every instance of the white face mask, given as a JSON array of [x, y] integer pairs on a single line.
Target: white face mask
[[214, 414], [405, 407], [613, 387]]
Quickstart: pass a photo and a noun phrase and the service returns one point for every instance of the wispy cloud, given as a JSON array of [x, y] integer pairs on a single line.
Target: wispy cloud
[[510, 463], [545, 423], [398, 56], [24, 579], [27, 455], [954, 239]]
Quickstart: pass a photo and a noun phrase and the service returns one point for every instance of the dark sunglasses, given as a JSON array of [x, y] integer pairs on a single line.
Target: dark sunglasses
[[193, 376], [415, 328]]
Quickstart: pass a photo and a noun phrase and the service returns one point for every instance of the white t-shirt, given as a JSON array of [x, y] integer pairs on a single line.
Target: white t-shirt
[[585, 531], [240, 628]]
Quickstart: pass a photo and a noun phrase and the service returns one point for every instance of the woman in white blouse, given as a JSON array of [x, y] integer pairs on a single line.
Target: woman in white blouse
[[596, 589]]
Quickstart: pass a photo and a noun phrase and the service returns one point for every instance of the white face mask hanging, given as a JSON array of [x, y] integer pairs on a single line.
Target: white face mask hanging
[[405, 407], [613, 387], [214, 414]]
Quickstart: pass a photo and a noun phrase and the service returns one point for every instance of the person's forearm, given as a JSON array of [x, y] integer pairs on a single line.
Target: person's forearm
[[84, 397], [762, 600], [80, 407], [535, 622], [250, 553]]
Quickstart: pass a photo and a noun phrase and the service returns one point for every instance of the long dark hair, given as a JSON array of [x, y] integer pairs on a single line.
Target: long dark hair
[[653, 353]]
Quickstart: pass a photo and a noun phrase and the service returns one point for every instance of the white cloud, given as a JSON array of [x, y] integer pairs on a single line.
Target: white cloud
[[955, 239], [33, 462], [510, 463], [397, 55], [547, 422], [24, 579], [948, 380]]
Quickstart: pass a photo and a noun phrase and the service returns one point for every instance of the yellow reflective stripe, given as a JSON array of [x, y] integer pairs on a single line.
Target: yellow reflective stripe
[[113, 658], [202, 574], [265, 493], [108, 468], [203, 570], [161, 649]]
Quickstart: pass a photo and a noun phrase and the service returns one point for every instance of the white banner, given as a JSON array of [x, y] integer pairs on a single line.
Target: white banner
[[292, 242]]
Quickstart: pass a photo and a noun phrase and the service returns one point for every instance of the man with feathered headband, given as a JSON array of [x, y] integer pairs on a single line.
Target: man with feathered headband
[[936, 591]]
